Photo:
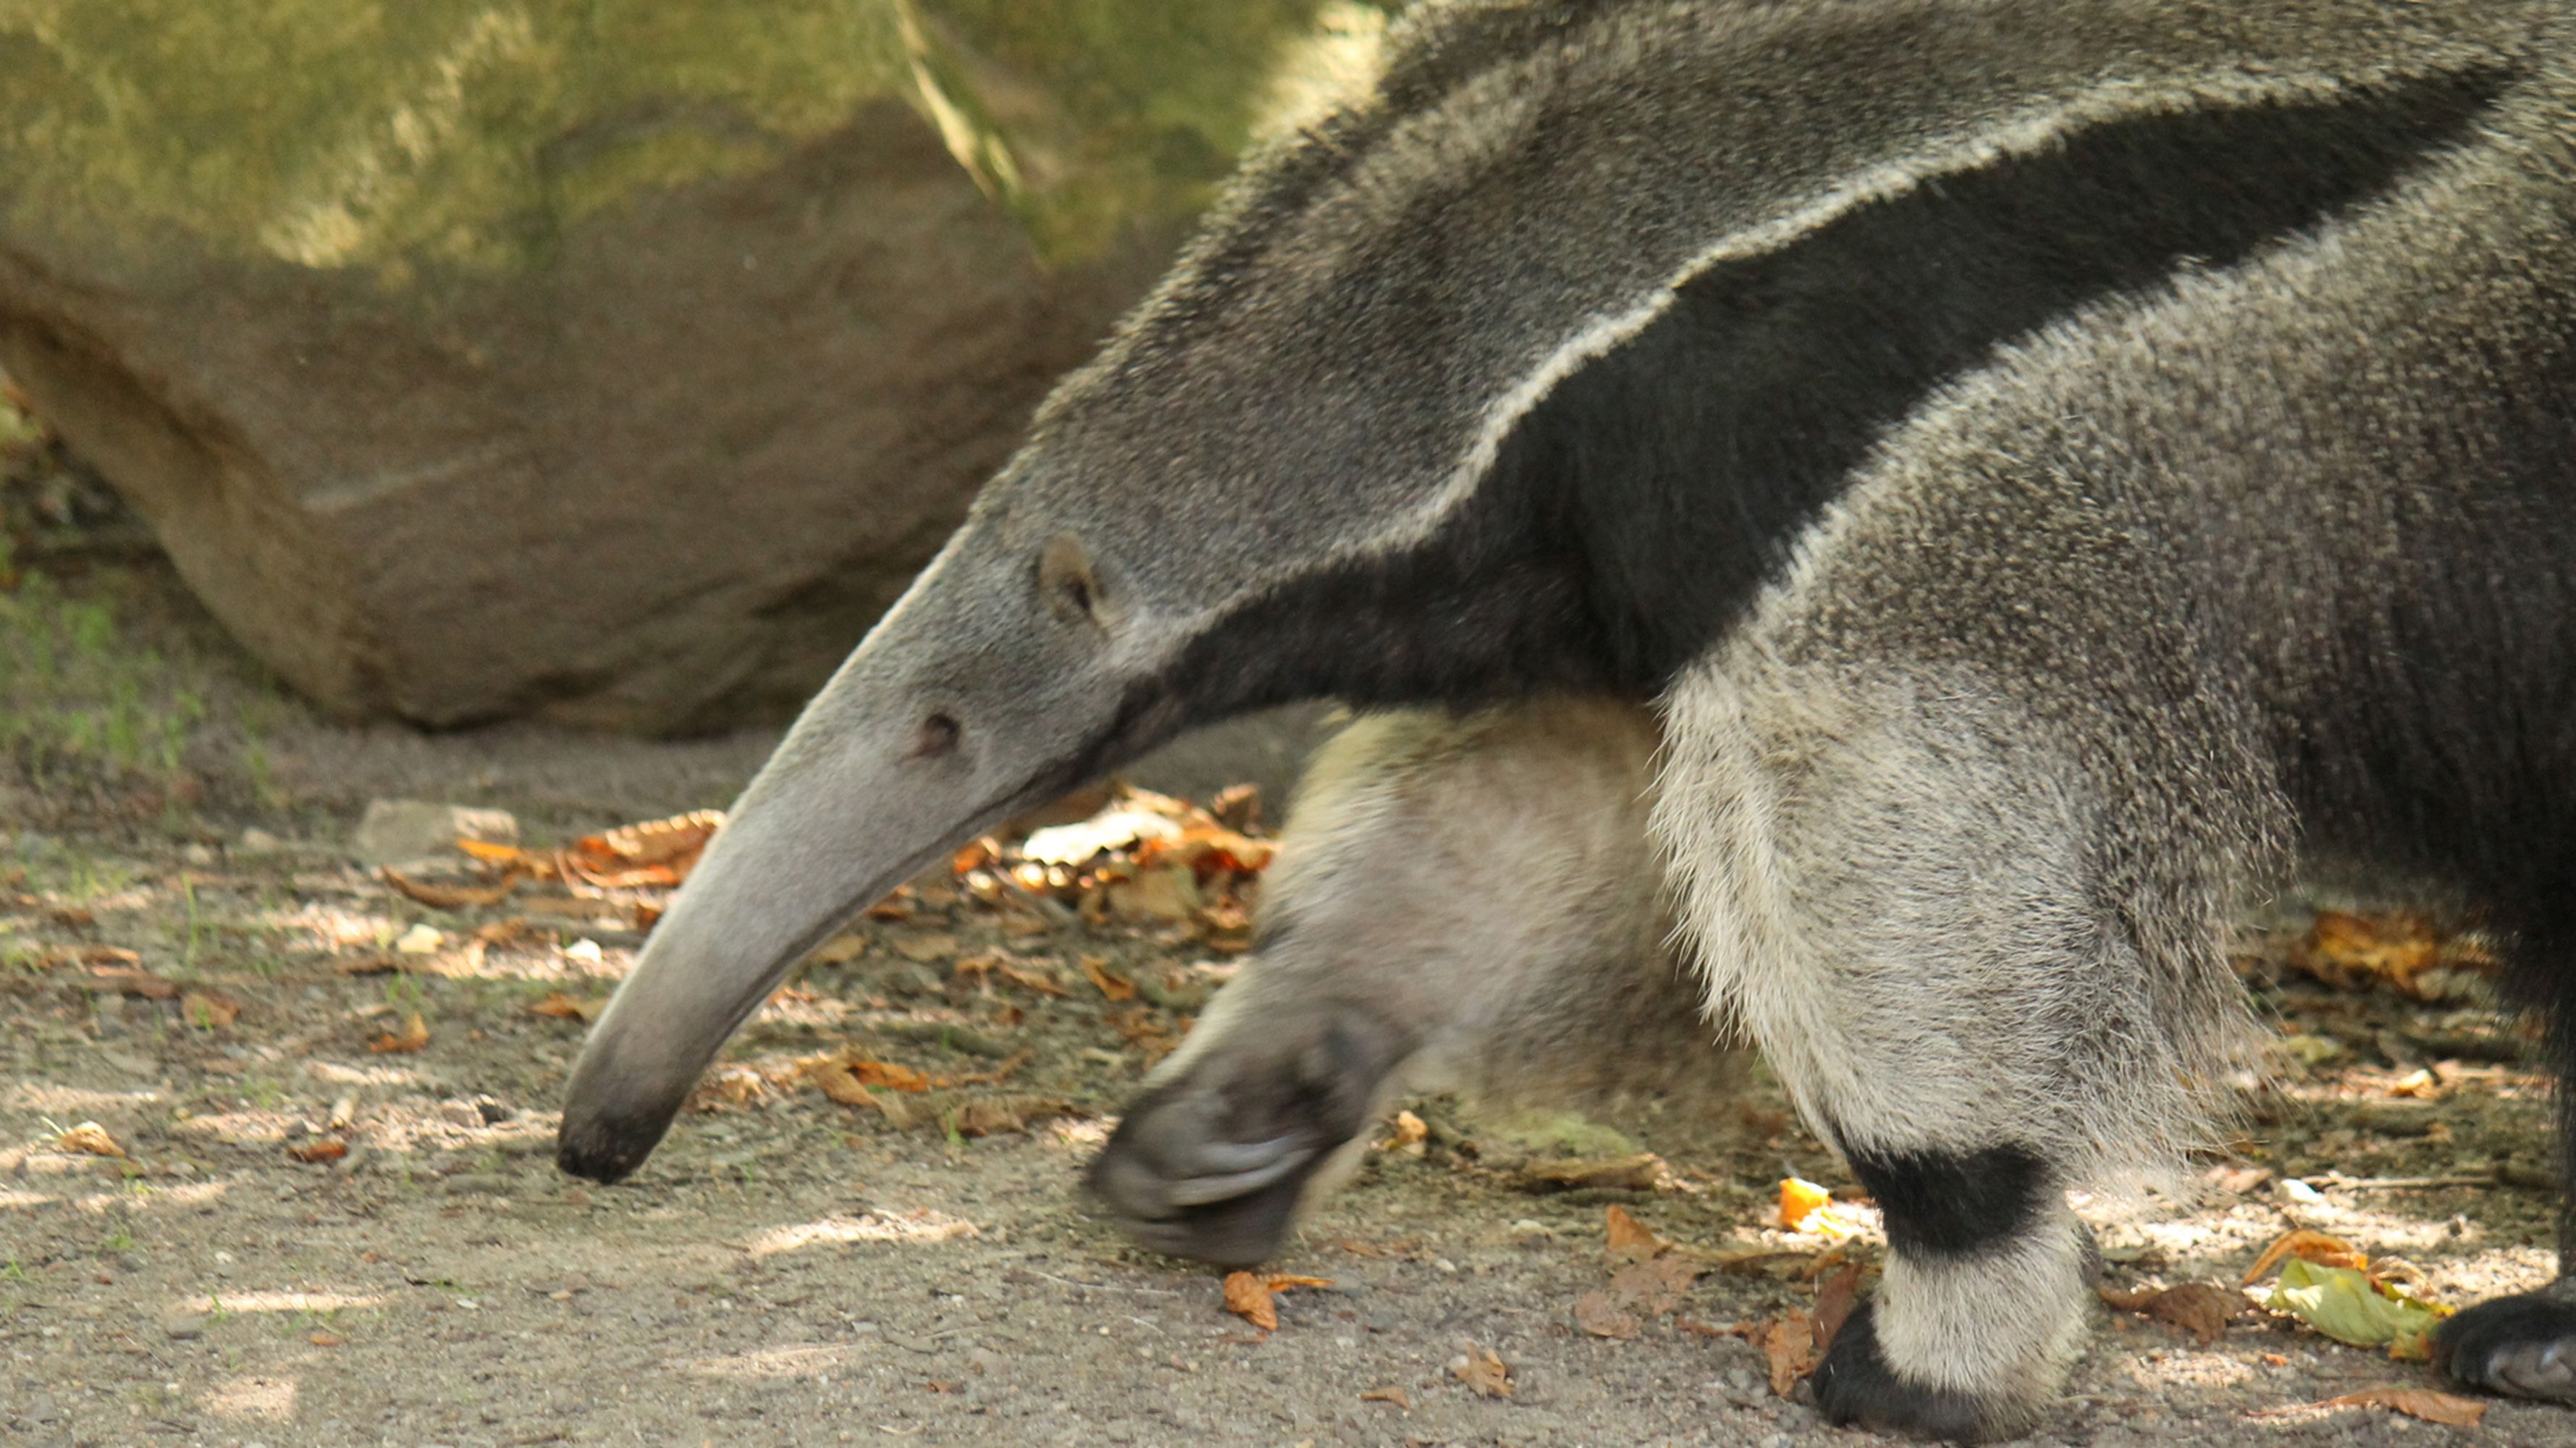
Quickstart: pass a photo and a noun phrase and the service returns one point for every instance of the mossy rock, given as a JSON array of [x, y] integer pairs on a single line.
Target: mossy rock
[[616, 361]]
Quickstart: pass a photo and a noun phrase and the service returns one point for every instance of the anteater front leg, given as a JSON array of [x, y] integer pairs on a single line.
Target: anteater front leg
[[2524, 1346], [1461, 901], [1916, 903]]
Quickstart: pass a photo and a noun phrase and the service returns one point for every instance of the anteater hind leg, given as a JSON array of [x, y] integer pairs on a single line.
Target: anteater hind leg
[[2524, 1346], [1901, 889], [1464, 901]]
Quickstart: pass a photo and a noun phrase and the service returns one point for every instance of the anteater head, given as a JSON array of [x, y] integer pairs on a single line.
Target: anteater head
[[1519, 374]]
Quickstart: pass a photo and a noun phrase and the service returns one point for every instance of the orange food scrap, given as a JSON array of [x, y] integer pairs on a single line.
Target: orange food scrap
[[1799, 1199], [1405, 1131]]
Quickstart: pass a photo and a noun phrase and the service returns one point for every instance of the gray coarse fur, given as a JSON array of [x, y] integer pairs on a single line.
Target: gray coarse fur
[[2098, 636], [1971, 749]]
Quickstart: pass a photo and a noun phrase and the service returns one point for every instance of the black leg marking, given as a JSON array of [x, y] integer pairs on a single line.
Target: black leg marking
[[1954, 1203], [2522, 1346], [1855, 1386]]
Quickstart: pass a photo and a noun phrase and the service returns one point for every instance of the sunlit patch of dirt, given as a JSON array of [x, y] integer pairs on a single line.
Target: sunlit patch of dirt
[[68, 1101], [254, 1398], [788, 1360], [919, 1227], [280, 1300]]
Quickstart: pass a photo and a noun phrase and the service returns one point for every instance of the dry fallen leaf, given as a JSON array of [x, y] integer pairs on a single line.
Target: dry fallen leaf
[[1788, 1342], [2307, 1246], [508, 857], [658, 852], [1600, 1314], [208, 1009], [2352, 952], [2424, 1403], [888, 1074], [1124, 824], [1643, 1172], [1248, 1294], [1389, 1394], [565, 1008], [925, 946], [1144, 1030], [1629, 1238], [133, 981], [1032, 977], [1484, 1372], [1836, 1297], [838, 950], [2202, 1309], [328, 1148], [446, 897], [994, 1115], [1206, 850], [1168, 896], [325, 1339], [91, 1138], [1009, 1067], [1116, 987], [413, 1036], [1655, 1285]]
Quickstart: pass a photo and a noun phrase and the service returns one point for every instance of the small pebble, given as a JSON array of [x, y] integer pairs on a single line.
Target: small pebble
[[185, 1327]]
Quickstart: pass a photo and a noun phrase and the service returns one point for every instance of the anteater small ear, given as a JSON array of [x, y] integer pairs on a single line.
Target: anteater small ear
[[1067, 582]]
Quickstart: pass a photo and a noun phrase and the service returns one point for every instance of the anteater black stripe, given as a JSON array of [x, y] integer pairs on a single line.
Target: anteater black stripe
[[1954, 1203], [1637, 510]]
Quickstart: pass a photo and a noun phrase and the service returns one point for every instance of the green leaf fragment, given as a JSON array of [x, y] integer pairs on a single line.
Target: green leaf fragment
[[2347, 1306]]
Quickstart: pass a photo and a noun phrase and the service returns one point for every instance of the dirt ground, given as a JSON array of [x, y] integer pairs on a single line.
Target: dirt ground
[[792, 1270]]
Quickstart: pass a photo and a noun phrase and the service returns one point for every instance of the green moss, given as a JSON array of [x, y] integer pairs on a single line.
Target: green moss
[[74, 693], [467, 133]]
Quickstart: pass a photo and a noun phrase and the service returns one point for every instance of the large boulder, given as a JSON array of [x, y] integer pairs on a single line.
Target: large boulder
[[610, 360]]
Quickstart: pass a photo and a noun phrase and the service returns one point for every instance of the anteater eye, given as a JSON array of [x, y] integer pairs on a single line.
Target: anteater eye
[[1066, 580]]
